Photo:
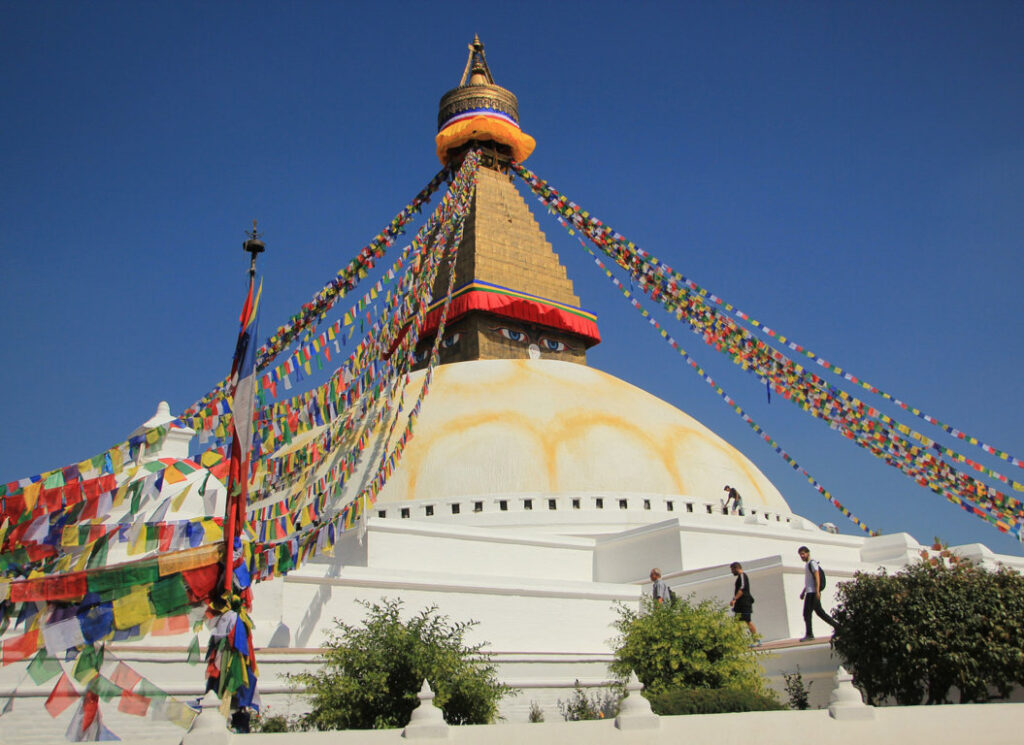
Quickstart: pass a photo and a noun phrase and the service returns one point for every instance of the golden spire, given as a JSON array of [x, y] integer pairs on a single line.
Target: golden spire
[[478, 110], [476, 65]]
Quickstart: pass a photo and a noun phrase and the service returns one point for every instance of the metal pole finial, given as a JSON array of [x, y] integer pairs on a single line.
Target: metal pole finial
[[253, 246]]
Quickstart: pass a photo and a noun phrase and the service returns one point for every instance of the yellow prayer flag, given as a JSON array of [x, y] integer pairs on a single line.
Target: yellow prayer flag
[[69, 536], [31, 494], [133, 608], [177, 501], [213, 532], [180, 561]]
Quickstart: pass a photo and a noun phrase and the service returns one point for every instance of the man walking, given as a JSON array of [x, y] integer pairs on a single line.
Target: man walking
[[659, 589], [811, 594], [742, 602]]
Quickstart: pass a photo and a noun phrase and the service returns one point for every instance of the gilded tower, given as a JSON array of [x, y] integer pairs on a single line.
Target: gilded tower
[[512, 298]]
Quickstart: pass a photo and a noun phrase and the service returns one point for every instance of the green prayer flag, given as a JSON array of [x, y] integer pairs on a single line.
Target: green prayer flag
[[169, 595], [104, 688], [54, 480], [147, 689], [136, 493], [98, 556], [194, 655], [125, 576], [87, 666], [152, 537], [43, 667]]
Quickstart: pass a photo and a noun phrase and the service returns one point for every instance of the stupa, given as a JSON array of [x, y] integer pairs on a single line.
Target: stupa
[[537, 491]]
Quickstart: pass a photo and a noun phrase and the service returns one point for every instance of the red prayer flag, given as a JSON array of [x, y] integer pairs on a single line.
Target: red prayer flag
[[92, 488], [166, 536], [90, 708], [201, 581], [60, 587], [170, 626], [61, 697], [124, 677], [133, 703], [73, 492], [21, 647], [50, 499]]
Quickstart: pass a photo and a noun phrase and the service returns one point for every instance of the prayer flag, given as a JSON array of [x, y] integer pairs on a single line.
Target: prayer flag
[[61, 697], [43, 667], [124, 677]]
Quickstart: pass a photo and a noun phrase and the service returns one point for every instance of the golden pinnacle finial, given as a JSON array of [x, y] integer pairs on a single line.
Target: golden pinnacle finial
[[476, 65]]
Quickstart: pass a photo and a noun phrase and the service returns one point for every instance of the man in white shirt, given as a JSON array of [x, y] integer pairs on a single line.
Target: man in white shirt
[[811, 594]]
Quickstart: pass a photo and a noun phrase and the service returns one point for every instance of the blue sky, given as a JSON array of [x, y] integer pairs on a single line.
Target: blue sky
[[851, 174]]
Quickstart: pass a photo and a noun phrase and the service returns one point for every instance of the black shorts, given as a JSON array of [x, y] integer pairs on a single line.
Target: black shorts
[[743, 615]]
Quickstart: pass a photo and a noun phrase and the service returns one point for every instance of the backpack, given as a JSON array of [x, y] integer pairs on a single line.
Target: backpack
[[671, 596], [821, 576]]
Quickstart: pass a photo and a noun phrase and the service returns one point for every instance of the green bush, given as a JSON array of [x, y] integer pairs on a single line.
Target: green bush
[[932, 626], [598, 705], [799, 692], [685, 645], [370, 674], [273, 723], [712, 701]]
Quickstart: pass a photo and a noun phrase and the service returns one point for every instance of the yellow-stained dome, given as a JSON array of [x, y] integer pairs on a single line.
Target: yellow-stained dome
[[491, 427]]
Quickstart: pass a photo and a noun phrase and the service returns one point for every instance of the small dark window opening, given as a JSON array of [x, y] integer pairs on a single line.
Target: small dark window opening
[[669, 505], [455, 509], [503, 505], [623, 504], [599, 503], [429, 509], [527, 504], [708, 508], [552, 505], [575, 504], [647, 504], [689, 506], [382, 513], [405, 512], [478, 506]]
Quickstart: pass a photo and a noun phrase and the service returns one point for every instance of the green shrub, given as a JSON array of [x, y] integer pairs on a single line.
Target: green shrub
[[598, 705], [272, 723], [712, 701], [799, 692], [932, 626], [370, 674], [685, 645]]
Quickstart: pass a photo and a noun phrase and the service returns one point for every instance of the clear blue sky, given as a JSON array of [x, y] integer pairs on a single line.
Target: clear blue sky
[[849, 173]]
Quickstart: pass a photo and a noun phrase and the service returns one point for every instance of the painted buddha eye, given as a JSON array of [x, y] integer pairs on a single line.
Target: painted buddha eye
[[450, 341], [551, 345], [512, 335], [418, 357]]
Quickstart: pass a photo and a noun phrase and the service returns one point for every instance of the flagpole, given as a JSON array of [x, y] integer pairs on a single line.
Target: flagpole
[[238, 475]]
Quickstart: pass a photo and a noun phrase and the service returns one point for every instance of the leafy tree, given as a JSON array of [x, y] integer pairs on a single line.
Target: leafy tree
[[685, 645], [932, 626], [370, 674]]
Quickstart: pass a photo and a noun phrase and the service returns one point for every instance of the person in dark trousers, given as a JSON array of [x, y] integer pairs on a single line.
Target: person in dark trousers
[[811, 594], [742, 602]]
